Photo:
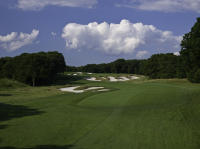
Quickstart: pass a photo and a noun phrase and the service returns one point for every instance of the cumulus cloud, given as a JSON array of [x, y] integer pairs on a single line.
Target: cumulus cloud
[[8, 37], [14, 41], [177, 53], [53, 34], [163, 5], [39, 4], [141, 54], [125, 37]]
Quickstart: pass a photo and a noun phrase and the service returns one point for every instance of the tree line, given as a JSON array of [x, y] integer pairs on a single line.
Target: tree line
[[41, 68], [34, 69], [187, 65], [157, 66]]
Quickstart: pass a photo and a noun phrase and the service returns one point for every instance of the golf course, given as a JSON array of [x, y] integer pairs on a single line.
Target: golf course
[[133, 114], [98, 74]]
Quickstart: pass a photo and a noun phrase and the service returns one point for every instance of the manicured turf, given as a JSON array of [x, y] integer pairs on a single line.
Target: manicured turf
[[143, 114]]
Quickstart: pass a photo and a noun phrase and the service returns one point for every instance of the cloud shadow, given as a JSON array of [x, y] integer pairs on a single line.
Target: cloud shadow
[[41, 147], [8, 111]]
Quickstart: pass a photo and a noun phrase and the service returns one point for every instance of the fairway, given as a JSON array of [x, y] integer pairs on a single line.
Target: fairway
[[137, 114]]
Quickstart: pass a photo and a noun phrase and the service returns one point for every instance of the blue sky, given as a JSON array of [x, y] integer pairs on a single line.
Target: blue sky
[[95, 31]]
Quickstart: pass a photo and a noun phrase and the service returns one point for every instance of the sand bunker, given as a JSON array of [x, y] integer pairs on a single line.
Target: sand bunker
[[113, 79], [134, 77], [103, 90], [74, 89], [124, 79], [93, 88], [92, 79]]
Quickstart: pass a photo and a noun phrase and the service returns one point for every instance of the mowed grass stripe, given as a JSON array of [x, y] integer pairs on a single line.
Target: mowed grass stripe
[[157, 124], [136, 115]]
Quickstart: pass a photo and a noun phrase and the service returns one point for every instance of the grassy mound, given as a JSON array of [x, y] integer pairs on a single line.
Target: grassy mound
[[9, 84]]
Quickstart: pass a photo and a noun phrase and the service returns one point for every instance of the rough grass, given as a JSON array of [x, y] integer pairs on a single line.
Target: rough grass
[[10, 84], [140, 114]]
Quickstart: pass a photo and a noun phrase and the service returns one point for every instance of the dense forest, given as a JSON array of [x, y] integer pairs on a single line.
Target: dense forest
[[41, 68], [190, 52], [34, 69], [158, 66]]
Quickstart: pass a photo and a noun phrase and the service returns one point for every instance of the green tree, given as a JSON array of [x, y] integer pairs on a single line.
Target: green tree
[[162, 66], [117, 66], [190, 52], [6, 67], [34, 69]]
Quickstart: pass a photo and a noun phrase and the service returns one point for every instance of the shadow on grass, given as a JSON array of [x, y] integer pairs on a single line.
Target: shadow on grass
[[3, 126], [8, 111], [5, 94], [42, 147], [62, 79]]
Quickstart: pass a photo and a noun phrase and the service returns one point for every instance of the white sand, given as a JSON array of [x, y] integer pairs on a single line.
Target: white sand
[[93, 88], [103, 90], [89, 73], [92, 79], [112, 79], [73, 89], [134, 77], [124, 78]]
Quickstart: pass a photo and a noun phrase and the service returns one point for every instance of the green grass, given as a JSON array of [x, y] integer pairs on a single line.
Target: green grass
[[139, 114], [10, 84]]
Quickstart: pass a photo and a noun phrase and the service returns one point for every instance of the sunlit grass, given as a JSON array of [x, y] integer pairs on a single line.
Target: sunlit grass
[[137, 114]]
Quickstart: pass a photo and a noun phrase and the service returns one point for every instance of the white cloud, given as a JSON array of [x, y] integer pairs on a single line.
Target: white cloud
[[39, 4], [141, 54], [53, 34], [8, 37], [177, 53], [163, 5], [125, 37], [14, 41]]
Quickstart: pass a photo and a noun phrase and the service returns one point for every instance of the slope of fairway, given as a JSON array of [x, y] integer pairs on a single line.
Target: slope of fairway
[[158, 114]]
